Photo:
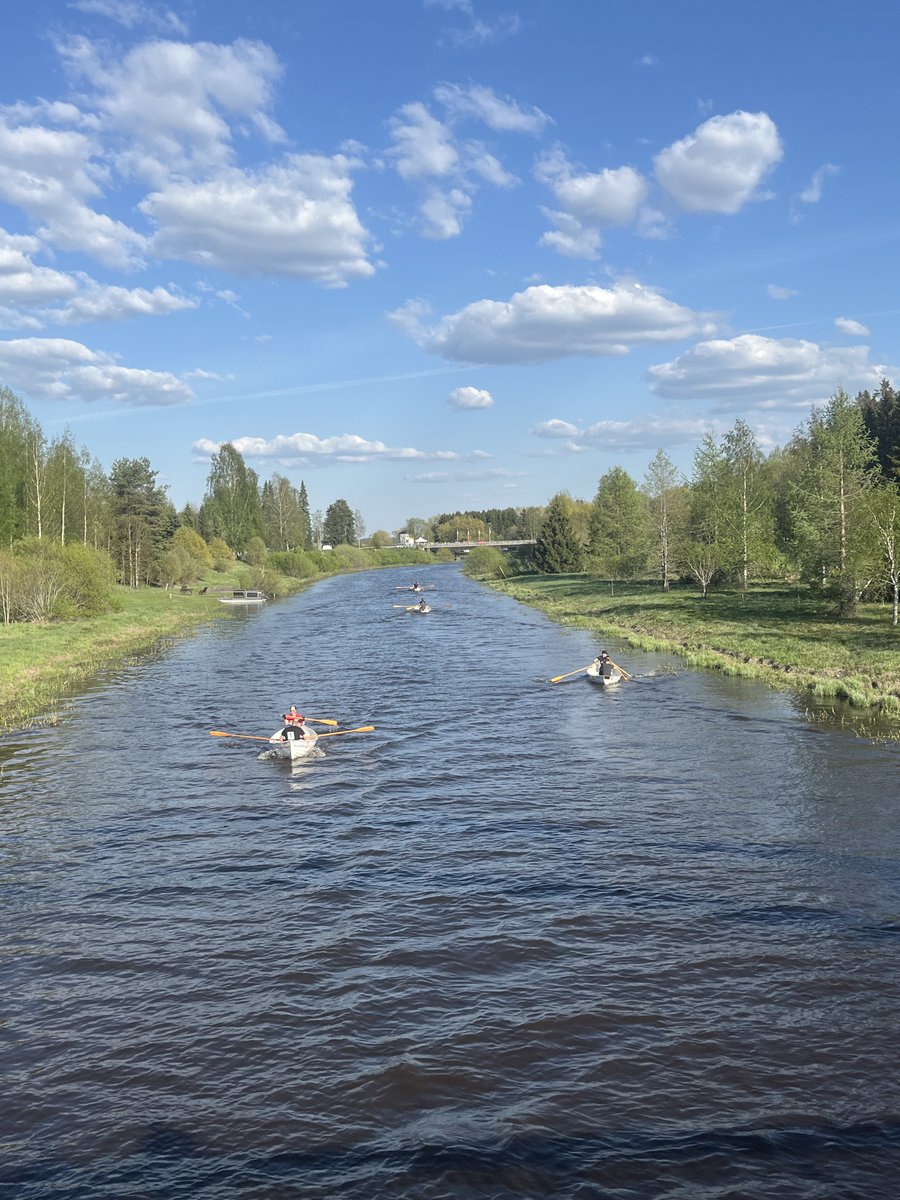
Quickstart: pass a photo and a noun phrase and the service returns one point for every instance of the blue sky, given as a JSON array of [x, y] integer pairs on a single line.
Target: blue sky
[[438, 254]]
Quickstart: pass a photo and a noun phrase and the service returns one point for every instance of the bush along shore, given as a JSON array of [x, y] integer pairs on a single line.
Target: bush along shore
[[787, 636]]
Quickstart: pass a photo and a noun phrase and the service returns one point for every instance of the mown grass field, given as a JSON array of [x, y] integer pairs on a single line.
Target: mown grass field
[[783, 635]]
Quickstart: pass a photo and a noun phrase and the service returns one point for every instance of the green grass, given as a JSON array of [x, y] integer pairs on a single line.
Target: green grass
[[42, 663], [781, 634]]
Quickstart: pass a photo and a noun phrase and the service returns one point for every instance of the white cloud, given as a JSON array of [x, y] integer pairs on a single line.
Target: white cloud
[[780, 293], [554, 428], [423, 146], [589, 202], [51, 174], [171, 102], [501, 115], [102, 302], [607, 197], [308, 447], [765, 372], [131, 13], [31, 288], [545, 323], [647, 60], [443, 213], [719, 167], [646, 433], [22, 282], [570, 238], [292, 219], [58, 369], [854, 328], [812, 193], [470, 397]]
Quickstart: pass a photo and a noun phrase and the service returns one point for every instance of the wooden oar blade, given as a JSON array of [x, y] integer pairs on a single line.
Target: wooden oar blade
[[557, 678], [321, 720], [253, 737], [338, 732]]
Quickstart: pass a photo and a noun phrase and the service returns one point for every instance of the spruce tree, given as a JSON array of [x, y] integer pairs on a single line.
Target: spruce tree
[[558, 550]]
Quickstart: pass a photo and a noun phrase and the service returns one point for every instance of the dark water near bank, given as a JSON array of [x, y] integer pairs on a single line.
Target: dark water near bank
[[521, 941]]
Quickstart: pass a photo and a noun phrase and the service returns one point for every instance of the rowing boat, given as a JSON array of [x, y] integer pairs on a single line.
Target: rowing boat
[[244, 597], [291, 744], [595, 675]]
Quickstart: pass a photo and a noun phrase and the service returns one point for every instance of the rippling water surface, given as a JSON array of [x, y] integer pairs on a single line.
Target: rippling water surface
[[522, 941]]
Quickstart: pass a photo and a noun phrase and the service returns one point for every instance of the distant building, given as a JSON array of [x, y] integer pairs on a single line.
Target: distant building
[[420, 541], [403, 539]]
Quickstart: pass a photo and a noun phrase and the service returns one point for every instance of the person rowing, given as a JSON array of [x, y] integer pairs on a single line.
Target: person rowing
[[604, 665], [294, 727]]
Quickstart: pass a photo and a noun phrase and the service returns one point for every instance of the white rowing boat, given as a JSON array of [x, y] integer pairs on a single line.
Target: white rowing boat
[[244, 597], [595, 675], [291, 743]]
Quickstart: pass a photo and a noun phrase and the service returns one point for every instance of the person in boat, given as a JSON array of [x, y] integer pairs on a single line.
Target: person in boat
[[422, 606], [603, 663], [294, 725]]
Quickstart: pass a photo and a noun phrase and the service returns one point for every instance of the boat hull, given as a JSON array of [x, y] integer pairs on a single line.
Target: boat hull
[[600, 680], [292, 749]]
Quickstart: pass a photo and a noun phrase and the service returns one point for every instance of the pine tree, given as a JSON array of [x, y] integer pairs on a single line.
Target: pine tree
[[557, 550]]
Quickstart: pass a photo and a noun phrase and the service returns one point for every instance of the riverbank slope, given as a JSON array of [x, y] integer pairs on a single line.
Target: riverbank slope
[[39, 663], [780, 634]]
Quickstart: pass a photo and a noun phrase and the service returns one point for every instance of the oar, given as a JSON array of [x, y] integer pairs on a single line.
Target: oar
[[621, 670], [338, 732], [254, 737], [578, 670], [321, 720]]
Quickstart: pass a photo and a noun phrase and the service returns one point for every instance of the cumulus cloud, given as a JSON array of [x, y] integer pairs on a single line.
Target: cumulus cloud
[[554, 428], [780, 293], [645, 433], [443, 212], [503, 115], [294, 218], [58, 369], [720, 166], [589, 201], [307, 448], [854, 328], [171, 102], [51, 175], [470, 397], [751, 370], [32, 289], [423, 145], [544, 323]]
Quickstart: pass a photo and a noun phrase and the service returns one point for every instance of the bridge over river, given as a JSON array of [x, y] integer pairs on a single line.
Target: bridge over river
[[464, 547]]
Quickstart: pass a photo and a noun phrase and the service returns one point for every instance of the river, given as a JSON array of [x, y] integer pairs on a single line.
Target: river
[[523, 940]]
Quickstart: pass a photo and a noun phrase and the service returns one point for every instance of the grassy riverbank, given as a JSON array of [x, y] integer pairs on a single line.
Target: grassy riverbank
[[782, 635], [40, 663]]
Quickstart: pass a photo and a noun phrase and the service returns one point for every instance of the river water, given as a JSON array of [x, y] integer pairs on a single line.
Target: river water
[[521, 941]]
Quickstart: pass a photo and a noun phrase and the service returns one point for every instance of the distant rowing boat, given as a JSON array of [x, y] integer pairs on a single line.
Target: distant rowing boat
[[243, 597]]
